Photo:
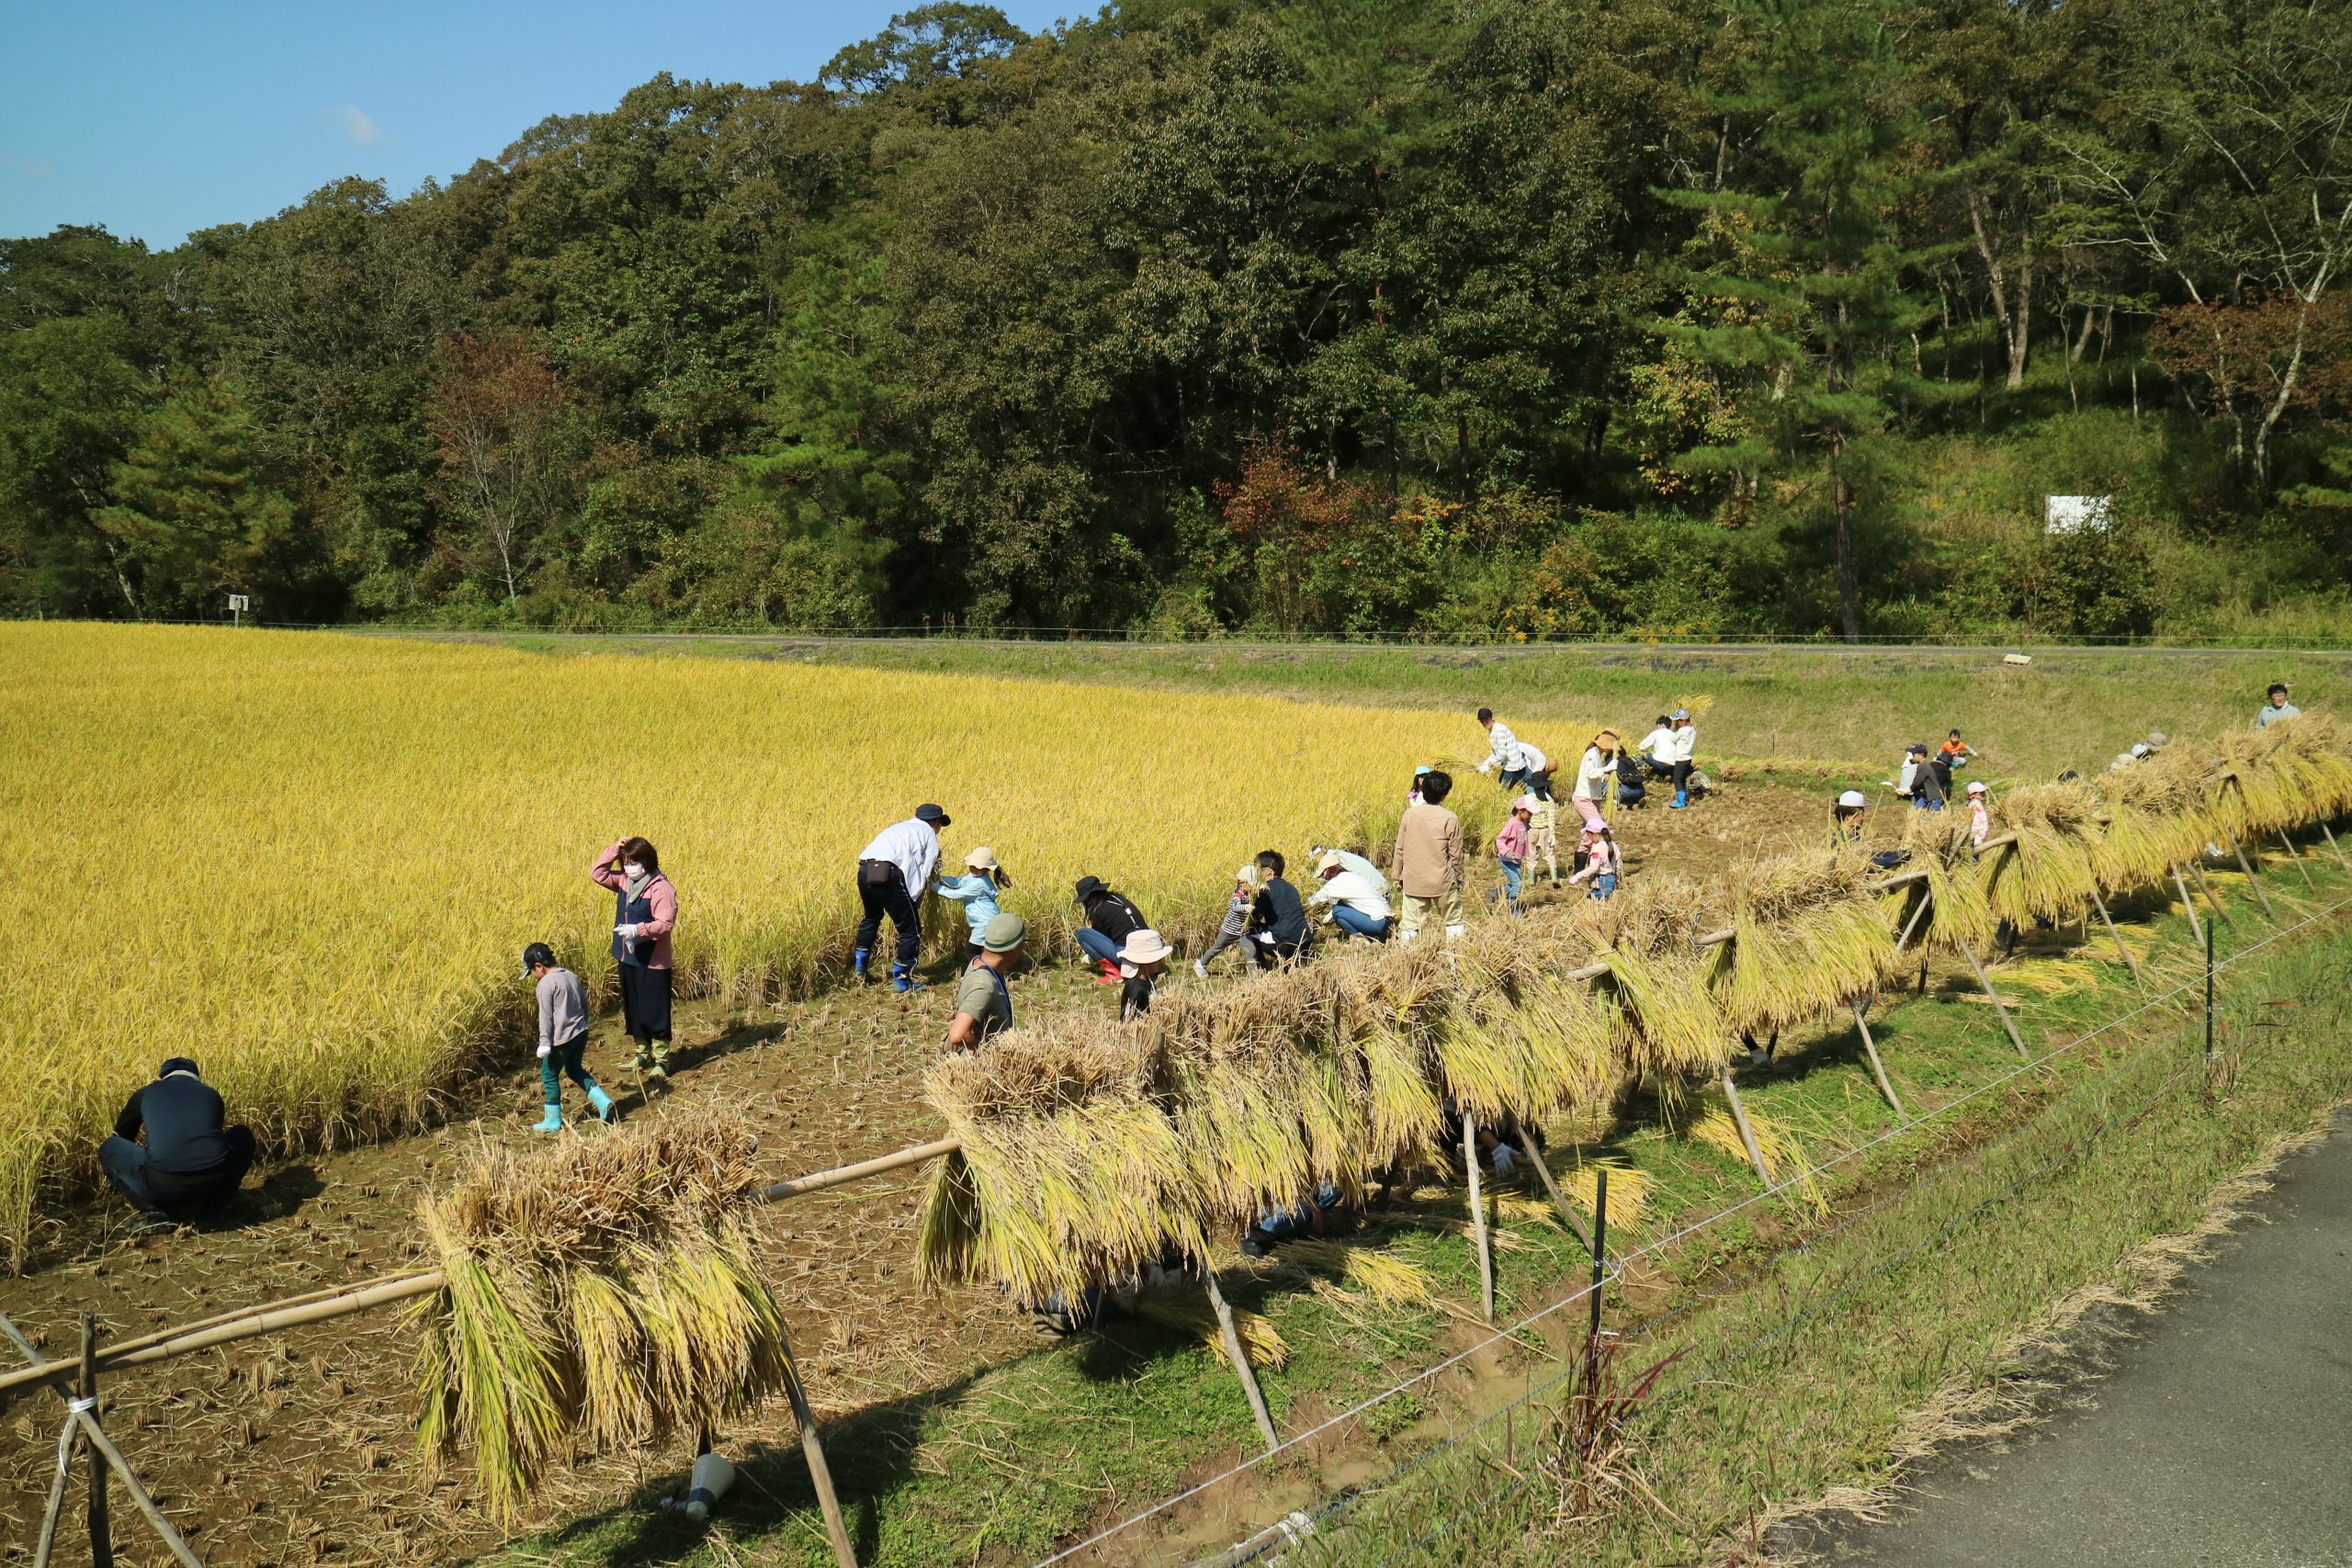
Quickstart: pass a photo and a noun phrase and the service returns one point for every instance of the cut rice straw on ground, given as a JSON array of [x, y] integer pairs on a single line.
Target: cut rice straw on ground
[[1188, 1311]]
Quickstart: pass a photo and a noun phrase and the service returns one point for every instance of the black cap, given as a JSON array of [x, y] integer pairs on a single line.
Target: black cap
[[536, 954], [931, 813], [1088, 885], [179, 1065]]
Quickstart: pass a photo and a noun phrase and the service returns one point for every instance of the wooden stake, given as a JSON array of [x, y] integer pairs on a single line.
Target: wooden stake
[[2196, 926], [2296, 856], [101, 1527], [2247, 866], [1478, 1216], [2128, 962], [56, 1510], [2221, 910], [1747, 1132], [1239, 1354], [104, 1446], [2334, 845], [1998, 1004], [1918, 913], [821, 1474], [1878, 1068], [1568, 1210]]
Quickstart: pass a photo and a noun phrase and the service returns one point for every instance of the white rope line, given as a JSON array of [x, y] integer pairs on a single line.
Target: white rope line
[[1614, 1270]]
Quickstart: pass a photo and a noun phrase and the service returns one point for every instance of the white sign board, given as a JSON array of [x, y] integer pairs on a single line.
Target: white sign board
[[2077, 513], [239, 602]]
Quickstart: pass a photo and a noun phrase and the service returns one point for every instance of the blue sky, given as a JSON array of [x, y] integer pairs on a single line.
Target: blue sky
[[157, 118]]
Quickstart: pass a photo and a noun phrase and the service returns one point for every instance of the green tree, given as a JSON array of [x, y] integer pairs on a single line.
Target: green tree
[[1807, 242]]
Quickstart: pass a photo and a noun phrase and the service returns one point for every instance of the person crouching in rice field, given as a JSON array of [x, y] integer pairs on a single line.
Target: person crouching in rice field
[[1657, 754], [1427, 862], [1846, 819], [191, 1159], [1601, 861], [1633, 782], [1111, 919], [645, 912], [1236, 925], [1543, 827], [1279, 931], [1593, 774], [976, 890], [1350, 900], [1510, 853], [892, 874], [564, 1036], [1143, 958], [983, 1001], [1352, 862]]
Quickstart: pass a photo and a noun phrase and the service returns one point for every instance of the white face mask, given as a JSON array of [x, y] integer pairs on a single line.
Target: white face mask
[[632, 869]]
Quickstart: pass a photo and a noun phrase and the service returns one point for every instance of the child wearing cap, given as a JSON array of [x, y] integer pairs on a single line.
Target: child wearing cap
[[1511, 850], [1142, 959], [1846, 819], [564, 1036], [983, 1001], [1601, 861], [977, 891], [1235, 924], [1980, 814]]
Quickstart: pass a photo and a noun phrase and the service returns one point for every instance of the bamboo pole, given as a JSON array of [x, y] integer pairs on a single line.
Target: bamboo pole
[[2296, 856], [2196, 926], [101, 1527], [818, 1181], [1878, 1068], [1478, 1215], [1568, 1210], [104, 1445], [2221, 910], [1998, 1004], [2247, 866], [2128, 962], [1747, 1132], [2332, 844], [1918, 913], [1239, 1354], [821, 1474], [42, 1549]]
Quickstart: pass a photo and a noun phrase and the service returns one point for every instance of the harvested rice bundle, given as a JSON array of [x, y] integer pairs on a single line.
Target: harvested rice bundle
[[1189, 1312], [1957, 913], [1069, 1173], [1266, 1117], [1806, 939], [2047, 873], [2159, 814], [2282, 777], [1388, 1279], [597, 1292], [1784, 1158], [1667, 1024]]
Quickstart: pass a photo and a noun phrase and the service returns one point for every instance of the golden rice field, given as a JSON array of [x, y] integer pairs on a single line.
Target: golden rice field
[[310, 861]]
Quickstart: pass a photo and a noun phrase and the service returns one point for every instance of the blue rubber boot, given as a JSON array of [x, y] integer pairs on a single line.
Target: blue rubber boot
[[903, 978], [865, 955], [1682, 799], [552, 1122], [600, 1103]]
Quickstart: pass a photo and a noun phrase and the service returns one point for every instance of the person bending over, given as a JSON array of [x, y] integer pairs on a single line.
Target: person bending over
[[1278, 928]]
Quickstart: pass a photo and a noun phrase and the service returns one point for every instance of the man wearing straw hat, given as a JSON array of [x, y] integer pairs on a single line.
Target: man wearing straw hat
[[983, 1001], [1353, 903], [1427, 867], [1142, 959]]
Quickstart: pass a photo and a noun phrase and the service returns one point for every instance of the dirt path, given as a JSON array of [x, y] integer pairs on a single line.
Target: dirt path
[[2218, 1437], [296, 1448]]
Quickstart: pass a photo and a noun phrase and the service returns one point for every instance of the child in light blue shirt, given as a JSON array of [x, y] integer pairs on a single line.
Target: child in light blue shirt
[[977, 892]]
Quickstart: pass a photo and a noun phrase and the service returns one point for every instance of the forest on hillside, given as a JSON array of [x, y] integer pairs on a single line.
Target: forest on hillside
[[1436, 318]]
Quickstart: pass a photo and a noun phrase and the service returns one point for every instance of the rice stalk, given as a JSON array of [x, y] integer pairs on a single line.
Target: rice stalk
[[1189, 1312]]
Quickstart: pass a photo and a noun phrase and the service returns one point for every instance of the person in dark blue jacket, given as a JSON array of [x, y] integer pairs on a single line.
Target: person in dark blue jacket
[[191, 1160], [1279, 931]]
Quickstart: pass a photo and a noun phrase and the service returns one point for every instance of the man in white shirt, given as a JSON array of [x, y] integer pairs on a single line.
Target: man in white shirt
[[893, 873], [1506, 752], [1357, 906], [1679, 743], [1653, 749]]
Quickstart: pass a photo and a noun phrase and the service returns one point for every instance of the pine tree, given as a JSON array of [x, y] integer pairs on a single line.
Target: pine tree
[[1804, 307], [194, 518]]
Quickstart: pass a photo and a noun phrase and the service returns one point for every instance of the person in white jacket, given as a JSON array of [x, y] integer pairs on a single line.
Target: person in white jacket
[[1593, 775], [1654, 749], [1676, 754], [1356, 906], [1506, 750]]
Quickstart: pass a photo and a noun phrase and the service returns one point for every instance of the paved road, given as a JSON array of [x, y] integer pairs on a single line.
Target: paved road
[[2221, 1438]]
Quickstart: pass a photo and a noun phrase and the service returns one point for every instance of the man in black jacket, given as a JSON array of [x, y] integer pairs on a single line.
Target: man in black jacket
[[1111, 919], [1279, 929], [190, 1160]]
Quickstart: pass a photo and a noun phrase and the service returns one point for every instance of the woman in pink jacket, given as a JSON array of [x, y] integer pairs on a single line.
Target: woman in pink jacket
[[645, 910]]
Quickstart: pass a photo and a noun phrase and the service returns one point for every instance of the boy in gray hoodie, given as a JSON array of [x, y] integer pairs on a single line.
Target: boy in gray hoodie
[[564, 1036]]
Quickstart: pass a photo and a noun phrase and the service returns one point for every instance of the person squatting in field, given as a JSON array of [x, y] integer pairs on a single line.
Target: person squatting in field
[[1279, 932], [645, 912], [564, 1036], [976, 890], [1427, 865], [1350, 900], [1601, 860], [892, 872], [983, 1001], [1143, 958], [191, 1160], [1111, 919]]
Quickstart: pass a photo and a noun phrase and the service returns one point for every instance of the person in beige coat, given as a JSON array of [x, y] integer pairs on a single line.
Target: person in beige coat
[[1428, 865]]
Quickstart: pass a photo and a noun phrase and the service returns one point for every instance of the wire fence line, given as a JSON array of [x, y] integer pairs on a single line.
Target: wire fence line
[[1615, 1265]]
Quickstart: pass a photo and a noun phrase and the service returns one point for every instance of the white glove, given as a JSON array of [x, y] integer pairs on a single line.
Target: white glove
[[1503, 1160], [1488, 766], [625, 932], [545, 1051], [1266, 937]]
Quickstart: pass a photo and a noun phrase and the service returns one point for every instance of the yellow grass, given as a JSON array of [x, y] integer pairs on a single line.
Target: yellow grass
[[312, 860]]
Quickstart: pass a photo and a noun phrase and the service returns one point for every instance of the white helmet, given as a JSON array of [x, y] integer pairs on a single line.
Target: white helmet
[[1852, 798]]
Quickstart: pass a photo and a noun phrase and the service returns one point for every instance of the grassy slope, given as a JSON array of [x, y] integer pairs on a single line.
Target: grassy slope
[[999, 1468], [2069, 708]]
